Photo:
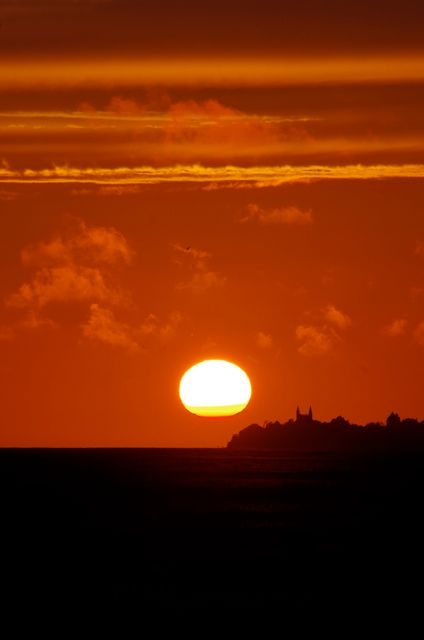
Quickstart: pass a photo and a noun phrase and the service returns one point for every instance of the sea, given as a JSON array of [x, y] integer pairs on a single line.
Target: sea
[[215, 534]]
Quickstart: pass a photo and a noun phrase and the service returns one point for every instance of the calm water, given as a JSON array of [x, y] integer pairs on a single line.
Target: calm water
[[184, 530]]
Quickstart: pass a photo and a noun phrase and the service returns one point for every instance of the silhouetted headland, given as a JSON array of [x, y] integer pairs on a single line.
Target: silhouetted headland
[[305, 433]]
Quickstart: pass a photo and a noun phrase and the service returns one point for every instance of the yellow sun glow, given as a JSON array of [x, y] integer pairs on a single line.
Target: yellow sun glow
[[215, 388]]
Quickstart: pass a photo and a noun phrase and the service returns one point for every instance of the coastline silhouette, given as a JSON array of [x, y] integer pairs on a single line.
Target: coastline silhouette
[[305, 433]]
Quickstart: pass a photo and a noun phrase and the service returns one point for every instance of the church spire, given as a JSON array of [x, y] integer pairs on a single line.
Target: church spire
[[304, 418]]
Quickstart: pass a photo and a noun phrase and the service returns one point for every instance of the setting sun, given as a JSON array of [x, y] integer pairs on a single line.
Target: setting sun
[[215, 388]]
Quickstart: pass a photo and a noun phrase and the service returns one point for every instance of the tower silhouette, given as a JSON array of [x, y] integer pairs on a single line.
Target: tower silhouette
[[304, 418]]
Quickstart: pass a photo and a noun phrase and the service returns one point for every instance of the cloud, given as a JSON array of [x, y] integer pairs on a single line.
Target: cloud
[[206, 108], [102, 245], [64, 284], [202, 281], [228, 176], [320, 338], [84, 245], [159, 132], [156, 101], [125, 106], [264, 340], [167, 131], [155, 130], [79, 266], [8, 195], [102, 326], [196, 262], [395, 328], [33, 320], [106, 190], [198, 257], [212, 129], [419, 334], [336, 317], [314, 341], [283, 215], [52, 253], [152, 326], [210, 71], [75, 267]]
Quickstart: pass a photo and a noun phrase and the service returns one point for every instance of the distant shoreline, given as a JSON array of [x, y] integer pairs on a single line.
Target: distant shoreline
[[309, 435]]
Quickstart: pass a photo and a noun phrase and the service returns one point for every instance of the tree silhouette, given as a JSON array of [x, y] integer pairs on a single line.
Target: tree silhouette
[[336, 435], [393, 421]]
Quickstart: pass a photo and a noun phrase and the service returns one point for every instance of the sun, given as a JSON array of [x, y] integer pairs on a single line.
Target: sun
[[215, 388]]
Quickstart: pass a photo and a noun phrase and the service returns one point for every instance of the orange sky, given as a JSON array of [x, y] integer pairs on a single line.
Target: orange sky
[[242, 183]]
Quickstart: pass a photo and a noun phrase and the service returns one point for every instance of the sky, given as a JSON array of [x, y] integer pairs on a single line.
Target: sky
[[184, 181]]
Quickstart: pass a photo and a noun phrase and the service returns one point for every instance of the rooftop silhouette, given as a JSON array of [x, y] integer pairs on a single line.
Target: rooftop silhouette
[[305, 433]]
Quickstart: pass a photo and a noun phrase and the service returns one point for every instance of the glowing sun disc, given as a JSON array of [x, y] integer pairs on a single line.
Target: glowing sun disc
[[215, 388]]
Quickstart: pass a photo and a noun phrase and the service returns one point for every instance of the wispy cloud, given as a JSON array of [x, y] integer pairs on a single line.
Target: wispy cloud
[[315, 341], [63, 284], [7, 194], [81, 245], [202, 281], [165, 133], [320, 337], [289, 215], [264, 340], [218, 177], [102, 326], [33, 320], [197, 257], [107, 190], [164, 329], [336, 317], [156, 131], [196, 263], [395, 328]]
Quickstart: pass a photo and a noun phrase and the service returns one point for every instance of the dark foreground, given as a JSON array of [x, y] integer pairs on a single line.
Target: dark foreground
[[211, 532]]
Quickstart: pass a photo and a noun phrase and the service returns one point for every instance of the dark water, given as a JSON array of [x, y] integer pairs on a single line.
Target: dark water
[[180, 532]]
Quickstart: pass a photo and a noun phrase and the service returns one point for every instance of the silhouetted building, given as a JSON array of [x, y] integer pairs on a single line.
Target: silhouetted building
[[304, 418], [308, 434]]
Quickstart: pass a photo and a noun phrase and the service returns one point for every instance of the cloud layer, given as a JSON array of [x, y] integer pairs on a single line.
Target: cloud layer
[[215, 177], [210, 71]]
